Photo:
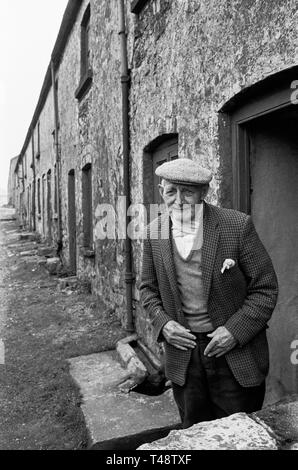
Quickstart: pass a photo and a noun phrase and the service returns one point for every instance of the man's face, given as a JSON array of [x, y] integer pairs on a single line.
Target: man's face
[[176, 195]]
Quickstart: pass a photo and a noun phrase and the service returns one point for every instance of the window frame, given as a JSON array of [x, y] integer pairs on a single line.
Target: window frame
[[167, 145], [86, 73], [268, 95]]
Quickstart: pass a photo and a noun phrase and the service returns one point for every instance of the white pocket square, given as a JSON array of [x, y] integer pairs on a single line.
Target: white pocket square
[[227, 264]]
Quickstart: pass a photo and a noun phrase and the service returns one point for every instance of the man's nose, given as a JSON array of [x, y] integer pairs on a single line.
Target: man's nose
[[178, 197]]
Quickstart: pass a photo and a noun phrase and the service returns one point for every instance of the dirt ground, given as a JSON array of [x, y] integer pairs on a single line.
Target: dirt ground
[[42, 326]]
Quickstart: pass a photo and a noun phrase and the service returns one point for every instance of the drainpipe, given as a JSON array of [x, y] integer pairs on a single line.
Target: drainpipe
[[125, 82], [34, 184], [58, 172]]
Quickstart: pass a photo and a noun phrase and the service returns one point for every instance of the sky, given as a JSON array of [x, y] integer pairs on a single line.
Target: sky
[[27, 36]]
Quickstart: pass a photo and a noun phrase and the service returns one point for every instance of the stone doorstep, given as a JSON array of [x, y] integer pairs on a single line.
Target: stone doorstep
[[71, 282], [235, 432], [47, 251], [274, 427], [53, 265], [114, 418], [31, 236], [22, 245], [28, 253], [8, 218]]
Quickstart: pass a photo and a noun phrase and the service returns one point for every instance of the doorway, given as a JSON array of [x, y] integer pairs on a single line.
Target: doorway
[[49, 206], [44, 205], [72, 224], [274, 209], [264, 166]]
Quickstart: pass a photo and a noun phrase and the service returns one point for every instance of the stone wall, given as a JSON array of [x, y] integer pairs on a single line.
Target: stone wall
[[187, 59]]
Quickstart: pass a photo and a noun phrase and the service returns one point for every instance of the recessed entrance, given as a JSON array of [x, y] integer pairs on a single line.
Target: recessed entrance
[[72, 225], [274, 209], [263, 134], [49, 206]]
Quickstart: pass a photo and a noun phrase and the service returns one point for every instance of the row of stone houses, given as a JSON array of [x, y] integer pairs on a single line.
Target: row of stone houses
[[12, 183], [209, 80]]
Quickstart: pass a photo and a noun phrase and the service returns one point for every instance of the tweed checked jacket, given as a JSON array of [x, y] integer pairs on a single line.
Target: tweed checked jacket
[[242, 298]]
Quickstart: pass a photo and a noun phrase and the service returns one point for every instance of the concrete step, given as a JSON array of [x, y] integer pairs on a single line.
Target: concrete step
[[53, 265], [118, 420], [47, 251]]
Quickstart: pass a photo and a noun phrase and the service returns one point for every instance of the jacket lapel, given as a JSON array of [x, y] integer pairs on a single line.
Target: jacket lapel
[[210, 242], [165, 242]]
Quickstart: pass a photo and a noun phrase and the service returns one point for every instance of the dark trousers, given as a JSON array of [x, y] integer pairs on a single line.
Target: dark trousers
[[211, 391]]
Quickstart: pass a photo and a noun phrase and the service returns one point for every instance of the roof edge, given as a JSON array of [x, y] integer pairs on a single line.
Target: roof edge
[[69, 17]]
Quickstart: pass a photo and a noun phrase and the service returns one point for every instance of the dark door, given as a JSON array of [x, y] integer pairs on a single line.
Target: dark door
[[49, 206], [44, 205], [274, 202], [72, 225]]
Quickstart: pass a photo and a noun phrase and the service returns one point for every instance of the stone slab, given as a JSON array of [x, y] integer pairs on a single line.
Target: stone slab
[[53, 265], [71, 282], [7, 214], [46, 251], [28, 253], [111, 414], [31, 236], [236, 432]]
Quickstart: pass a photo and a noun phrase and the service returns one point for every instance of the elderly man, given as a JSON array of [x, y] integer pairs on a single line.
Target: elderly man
[[209, 288]]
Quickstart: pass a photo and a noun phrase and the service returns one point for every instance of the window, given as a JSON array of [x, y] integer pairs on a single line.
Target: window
[[164, 153], [162, 149], [25, 166], [87, 206], [86, 70], [38, 141], [57, 103], [137, 6], [85, 43]]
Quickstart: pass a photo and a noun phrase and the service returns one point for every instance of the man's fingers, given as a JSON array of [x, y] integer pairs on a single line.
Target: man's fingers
[[210, 335], [185, 333], [184, 342], [210, 347], [217, 352], [179, 347]]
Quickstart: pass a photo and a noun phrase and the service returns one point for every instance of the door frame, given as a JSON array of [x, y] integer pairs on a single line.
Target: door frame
[[49, 205], [271, 94]]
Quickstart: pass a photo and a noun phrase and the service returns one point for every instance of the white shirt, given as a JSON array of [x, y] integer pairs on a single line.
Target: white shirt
[[187, 233]]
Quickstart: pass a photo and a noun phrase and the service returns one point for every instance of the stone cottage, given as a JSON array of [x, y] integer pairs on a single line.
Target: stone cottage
[[215, 81]]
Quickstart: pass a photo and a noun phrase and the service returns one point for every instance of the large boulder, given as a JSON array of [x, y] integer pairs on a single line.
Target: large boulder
[[236, 432]]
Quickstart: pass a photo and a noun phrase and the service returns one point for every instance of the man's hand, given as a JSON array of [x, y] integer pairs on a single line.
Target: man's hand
[[178, 336], [222, 342]]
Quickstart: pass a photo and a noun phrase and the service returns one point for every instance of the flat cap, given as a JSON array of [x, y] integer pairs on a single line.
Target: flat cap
[[184, 171]]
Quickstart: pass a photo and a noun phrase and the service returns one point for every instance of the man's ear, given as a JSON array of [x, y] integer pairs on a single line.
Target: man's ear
[[205, 191], [161, 189]]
